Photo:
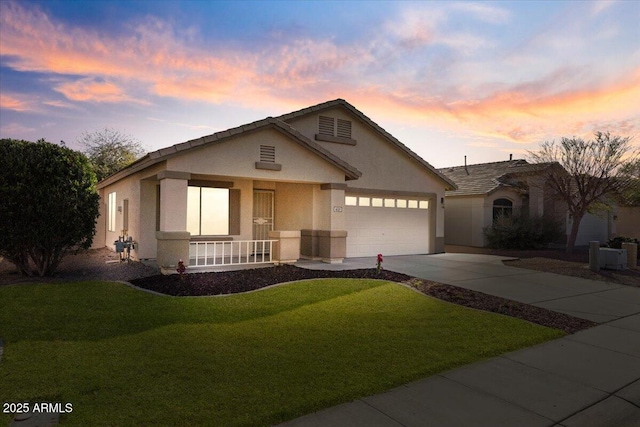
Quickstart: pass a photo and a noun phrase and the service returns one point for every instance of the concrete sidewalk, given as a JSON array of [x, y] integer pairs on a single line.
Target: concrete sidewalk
[[591, 378]]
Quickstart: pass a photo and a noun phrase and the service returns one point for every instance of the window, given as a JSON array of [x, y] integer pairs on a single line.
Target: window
[[413, 204], [111, 212], [350, 201], [376, 202], [502, 208], [401, 203], [389, 203], [208, 211], [364, 201], [423, 204]]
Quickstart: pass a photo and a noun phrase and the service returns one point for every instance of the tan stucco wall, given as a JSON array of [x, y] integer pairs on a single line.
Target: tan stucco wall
[[294, 205], [125, 189], [141, 227]]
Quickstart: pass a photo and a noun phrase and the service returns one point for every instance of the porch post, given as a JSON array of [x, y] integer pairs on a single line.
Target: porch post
[[173, 237], [332, 241]]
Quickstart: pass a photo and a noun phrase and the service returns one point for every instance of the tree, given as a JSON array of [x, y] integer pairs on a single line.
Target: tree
[[630, 172], [591, 173], [110, 150], [48, 204]]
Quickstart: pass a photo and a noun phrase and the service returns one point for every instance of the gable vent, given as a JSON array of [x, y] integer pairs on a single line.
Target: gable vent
[[268, 153], [326, 126], [344, 129]]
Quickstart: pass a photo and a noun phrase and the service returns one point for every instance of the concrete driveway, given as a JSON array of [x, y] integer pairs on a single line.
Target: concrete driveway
[[591, 378]]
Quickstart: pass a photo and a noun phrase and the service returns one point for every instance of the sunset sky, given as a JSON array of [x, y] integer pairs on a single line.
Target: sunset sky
[[449, 79]]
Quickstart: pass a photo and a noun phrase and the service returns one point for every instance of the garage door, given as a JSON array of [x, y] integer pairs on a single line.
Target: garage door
[[390, 226]]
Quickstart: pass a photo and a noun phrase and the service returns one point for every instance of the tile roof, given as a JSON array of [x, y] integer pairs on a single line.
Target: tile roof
[[485, 178]]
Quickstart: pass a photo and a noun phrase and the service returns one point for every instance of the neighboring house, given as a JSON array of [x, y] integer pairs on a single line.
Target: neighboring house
[[326, 177], [488, 190]]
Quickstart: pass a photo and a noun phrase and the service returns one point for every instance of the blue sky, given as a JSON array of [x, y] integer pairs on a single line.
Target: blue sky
[[449, 79]]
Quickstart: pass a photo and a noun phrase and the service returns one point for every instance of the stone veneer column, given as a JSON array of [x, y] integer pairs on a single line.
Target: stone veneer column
[[173, 237]]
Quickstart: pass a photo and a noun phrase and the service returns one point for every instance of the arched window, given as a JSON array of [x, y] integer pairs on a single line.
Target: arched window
[[502, 208]]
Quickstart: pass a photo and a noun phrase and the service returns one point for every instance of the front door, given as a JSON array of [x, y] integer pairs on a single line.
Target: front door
[[262, 216]]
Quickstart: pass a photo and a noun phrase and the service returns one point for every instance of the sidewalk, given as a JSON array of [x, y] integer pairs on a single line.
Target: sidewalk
[[591, 378]]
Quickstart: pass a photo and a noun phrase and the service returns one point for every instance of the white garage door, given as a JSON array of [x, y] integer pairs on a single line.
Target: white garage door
[[390, 226]]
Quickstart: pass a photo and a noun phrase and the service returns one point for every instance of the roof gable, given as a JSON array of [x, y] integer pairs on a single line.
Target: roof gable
[[269, 123], [317, 109]]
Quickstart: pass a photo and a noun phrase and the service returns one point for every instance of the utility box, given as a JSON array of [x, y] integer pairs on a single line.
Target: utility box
[[612, 259]]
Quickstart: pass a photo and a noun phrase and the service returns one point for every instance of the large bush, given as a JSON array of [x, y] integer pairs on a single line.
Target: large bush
[[523, 232], [48, 204]]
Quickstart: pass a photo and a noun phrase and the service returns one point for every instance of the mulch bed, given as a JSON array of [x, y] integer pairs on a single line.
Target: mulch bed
[[220, 283]]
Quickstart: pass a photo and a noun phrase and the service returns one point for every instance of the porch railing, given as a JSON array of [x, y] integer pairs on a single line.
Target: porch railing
[[233, 252]]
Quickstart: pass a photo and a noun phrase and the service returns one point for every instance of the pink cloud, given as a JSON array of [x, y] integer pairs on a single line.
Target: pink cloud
[[15, 102], [91, 90]]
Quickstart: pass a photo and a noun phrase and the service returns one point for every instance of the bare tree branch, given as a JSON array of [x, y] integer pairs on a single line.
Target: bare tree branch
[[591, 173]]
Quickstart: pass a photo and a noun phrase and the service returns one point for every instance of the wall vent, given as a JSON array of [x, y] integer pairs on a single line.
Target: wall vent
[[268, 153], [344, 129], [326, 126]]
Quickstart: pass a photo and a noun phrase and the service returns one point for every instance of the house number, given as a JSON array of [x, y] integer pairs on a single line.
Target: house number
[[337, 208]]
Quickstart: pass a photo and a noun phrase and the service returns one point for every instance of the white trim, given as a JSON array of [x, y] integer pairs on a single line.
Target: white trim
[[230, 252]]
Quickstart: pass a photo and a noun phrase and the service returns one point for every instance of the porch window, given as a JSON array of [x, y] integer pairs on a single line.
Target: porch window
[[111, 212], [502, 208], [212, 211]]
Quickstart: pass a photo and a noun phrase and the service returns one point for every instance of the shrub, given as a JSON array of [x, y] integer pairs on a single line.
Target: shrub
[[617, 242], [523, 232], [48, 207]]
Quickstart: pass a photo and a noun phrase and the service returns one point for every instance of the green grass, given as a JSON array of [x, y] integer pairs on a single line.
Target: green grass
[[126, 357]]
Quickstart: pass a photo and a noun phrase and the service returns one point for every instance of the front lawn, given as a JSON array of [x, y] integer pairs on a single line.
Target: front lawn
[[125, 357]]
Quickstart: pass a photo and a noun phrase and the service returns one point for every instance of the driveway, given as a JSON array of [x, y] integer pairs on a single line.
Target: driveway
[[588, 299], [591, 378]]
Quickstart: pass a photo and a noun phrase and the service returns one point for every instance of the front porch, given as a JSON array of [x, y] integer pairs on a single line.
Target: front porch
[[218, 221]]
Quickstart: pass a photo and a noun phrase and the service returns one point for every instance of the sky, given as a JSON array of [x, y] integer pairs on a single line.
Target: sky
[[448, 79]]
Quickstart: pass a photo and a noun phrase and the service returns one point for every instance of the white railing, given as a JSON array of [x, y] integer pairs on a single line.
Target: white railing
[[232, 252]]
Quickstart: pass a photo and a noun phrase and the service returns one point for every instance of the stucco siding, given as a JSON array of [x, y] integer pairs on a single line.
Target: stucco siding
[[125, 189], [458, 221], [294, 206]]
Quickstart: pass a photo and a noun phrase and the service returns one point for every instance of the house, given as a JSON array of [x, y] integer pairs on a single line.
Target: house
[[488, 190], [324, 182]]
